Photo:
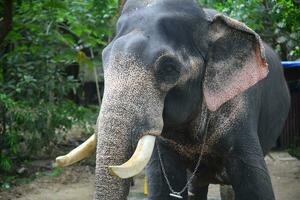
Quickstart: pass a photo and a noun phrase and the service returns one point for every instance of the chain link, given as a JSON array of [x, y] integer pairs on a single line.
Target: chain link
[[194, 172]]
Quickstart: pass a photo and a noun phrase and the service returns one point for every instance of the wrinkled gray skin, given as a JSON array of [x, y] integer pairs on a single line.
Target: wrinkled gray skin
[[172, 70]]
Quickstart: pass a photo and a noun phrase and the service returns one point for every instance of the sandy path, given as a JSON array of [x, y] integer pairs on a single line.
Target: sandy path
[[76, 183]]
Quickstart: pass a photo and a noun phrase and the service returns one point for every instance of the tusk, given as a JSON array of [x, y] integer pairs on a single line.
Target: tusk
[[138, 160], [77, 154]]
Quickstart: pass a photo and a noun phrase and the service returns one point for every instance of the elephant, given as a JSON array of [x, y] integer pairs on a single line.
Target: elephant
[[199, 97]]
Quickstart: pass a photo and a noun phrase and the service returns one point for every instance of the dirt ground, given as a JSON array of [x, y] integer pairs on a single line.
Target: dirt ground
[[77, 183]]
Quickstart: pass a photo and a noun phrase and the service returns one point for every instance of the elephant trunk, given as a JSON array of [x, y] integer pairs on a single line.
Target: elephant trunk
[[113, 148], [121, 125], [131, 111], [130, 117]]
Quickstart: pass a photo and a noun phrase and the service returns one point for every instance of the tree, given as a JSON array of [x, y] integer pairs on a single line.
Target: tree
[[46, 36]]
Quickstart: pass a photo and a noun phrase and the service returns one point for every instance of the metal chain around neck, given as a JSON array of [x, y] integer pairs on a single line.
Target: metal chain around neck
[[195, 170]]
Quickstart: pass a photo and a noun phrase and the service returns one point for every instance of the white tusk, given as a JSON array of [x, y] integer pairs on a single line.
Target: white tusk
[[138, 160], [77, 154]]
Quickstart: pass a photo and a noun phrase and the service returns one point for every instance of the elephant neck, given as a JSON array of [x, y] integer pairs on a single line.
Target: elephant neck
[[188, 140]]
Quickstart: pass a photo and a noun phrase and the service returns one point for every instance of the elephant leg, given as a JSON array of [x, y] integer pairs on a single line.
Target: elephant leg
[[198, 193], [158, 189], [250, 178]]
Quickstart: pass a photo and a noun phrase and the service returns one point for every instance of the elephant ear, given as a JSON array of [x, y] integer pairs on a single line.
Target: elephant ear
[[236, 61]]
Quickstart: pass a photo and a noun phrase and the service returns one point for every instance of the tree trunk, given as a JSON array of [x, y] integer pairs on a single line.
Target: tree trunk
[[6, 25]]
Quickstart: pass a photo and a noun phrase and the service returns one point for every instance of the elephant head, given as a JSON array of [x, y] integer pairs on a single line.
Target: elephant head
[[167, 58]]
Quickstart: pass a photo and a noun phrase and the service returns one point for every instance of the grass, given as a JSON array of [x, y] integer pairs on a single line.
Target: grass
[[55, 172]]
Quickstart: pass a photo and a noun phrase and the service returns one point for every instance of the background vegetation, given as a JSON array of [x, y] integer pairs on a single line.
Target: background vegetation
[[41, 39]]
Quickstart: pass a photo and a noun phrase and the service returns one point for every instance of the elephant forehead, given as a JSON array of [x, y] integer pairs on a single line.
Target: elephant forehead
[[149, 15], [133, 5], [126, 69]]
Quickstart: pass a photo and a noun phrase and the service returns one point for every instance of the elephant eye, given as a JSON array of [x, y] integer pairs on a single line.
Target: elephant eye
[[167, 71]]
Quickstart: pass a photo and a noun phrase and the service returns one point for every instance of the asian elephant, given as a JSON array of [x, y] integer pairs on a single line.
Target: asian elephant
[[203, 88]]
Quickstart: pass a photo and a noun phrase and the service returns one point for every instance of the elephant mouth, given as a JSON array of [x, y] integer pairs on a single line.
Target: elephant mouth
[[132, 167]]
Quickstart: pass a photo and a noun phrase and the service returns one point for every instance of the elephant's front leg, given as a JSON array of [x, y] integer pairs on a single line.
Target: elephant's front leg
[[197, 189], [158, 188], [198, 193], [248, 173]]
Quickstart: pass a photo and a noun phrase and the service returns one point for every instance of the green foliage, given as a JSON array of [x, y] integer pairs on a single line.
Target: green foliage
[[47, 37], [31, 129], [55, 172], [295, 151], [276, 21]]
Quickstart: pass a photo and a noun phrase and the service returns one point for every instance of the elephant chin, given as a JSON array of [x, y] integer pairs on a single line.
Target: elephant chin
[[132, 167]]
